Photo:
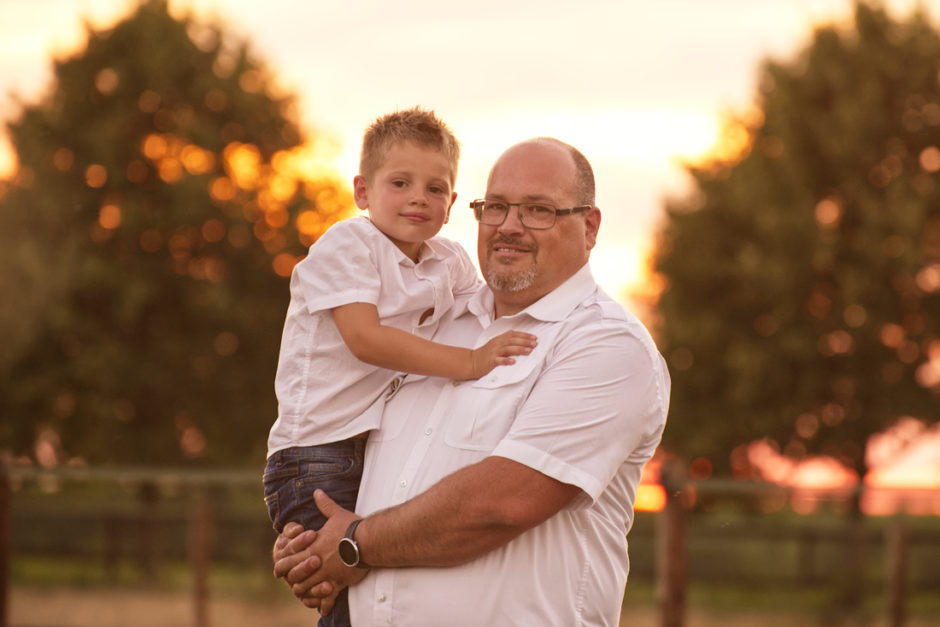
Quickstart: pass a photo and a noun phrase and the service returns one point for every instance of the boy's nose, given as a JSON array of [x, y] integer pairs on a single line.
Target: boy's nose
[[418, 197]]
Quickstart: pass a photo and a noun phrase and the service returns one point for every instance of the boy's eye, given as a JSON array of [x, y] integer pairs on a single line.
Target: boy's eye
[[437, 189], [399, 183]]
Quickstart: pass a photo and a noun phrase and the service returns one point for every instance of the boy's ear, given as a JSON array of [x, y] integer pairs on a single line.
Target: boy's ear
[[360, 192], [453, 198]]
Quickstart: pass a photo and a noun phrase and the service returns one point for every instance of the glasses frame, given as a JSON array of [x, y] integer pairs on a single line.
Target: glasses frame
[[478, 204]]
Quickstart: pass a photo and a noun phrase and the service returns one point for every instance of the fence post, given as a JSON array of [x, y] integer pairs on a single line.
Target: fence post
[[896, 575], [200, 548], [6, 507], [671, 548], [148, 529]]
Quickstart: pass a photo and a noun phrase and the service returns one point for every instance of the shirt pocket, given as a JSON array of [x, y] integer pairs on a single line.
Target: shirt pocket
[[484, 410]]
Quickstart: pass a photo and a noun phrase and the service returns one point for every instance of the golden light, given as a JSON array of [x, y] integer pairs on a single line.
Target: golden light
[[309, 223], [282, 187], [170, 170], [892, 335], [928, 278], [243, 164], [650, 497], [192, 442], [828, 212], [930, 159], [283, 264], [154, 146], [197, 160], [276, 218], [109, 216], [222, 189], [251, 81], [96, 175], [106, 81]]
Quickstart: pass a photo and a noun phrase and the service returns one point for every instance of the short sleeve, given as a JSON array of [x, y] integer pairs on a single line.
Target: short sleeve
[[597, 405], [340, 268]]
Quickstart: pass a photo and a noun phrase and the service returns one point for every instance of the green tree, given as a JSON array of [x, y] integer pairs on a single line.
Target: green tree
[[161, 201], [801, 278]]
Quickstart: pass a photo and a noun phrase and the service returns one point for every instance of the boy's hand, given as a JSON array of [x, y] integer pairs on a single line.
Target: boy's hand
[[499, 352]]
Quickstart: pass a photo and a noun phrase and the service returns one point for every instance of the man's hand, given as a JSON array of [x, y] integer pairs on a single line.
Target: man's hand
[[309, 561], [291, 549]]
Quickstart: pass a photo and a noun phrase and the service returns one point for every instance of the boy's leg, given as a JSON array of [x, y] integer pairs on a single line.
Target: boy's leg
[[290, 478]]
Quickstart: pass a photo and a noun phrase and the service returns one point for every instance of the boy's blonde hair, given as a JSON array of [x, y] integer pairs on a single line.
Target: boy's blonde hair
[[417, 125]]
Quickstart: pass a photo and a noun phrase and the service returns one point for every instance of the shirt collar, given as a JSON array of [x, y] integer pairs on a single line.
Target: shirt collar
[[429, 250], [553, 307]]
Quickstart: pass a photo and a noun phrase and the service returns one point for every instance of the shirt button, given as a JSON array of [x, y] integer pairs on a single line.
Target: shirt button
[[428, 431], [403, 483], [381, 598]]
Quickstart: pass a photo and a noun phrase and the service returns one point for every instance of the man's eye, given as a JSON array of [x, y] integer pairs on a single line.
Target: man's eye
[[539, 210], [495, 207]]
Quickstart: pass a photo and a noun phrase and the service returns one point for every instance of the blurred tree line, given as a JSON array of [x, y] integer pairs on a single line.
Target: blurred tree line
[[164, 193], [801, 277]]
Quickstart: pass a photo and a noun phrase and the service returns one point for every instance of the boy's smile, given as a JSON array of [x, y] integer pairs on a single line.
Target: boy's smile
[[409, 197]]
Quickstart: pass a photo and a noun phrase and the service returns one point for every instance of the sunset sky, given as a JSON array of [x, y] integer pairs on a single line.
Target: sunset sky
[[636, 86]]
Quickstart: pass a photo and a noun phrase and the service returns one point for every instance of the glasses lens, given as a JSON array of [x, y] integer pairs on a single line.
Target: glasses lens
[[493, 213], [537, 216]]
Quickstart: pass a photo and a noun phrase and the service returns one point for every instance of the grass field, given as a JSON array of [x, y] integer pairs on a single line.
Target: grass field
[[99, 555], [103, 607]]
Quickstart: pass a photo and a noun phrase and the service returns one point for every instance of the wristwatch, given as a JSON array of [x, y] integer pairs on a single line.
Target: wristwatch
[[349, 550]]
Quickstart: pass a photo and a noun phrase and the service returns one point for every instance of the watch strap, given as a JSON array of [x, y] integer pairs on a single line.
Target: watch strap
[[351, 536]]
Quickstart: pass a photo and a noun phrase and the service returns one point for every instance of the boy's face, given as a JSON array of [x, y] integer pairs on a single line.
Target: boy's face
[[409, 197]]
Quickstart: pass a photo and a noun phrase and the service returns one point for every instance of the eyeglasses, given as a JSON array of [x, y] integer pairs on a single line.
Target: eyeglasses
[[532, 215]]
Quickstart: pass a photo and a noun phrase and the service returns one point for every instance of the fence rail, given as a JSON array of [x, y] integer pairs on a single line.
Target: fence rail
[[150, 518]]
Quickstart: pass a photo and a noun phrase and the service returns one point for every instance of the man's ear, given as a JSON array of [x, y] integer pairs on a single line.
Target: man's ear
[[361, 192], [592, 223], [453, 198]]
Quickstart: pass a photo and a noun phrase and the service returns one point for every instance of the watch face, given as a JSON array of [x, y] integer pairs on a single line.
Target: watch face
[[348, 552]]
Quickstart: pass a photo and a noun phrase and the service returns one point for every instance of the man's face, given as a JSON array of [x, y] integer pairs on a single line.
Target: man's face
[[522, 265]]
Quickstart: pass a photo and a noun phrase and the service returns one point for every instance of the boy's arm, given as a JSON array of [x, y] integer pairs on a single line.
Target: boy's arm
[[387, 347]]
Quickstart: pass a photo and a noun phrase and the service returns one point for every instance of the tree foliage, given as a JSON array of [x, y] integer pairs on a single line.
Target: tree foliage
[[163, 195], [801, 298]]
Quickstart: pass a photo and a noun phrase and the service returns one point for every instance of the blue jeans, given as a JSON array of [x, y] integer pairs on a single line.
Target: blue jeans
[[290, 477]]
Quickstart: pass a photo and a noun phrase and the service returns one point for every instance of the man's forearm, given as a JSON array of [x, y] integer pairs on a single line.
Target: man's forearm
[[465, 515]]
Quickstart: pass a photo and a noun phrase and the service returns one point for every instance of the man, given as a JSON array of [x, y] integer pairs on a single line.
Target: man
[[508, 498]]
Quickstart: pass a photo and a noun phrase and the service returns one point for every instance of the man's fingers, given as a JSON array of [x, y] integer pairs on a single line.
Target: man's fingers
[[319, 591], [327, 603], [296, 551], [300, 576], [311, 602], [291, 531], [326, 505]]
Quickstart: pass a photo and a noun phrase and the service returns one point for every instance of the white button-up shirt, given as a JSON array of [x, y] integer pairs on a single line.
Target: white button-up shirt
[[323, 390], [586, 407]]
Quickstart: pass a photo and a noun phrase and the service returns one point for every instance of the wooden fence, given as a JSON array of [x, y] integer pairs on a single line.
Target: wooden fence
[[169, 516]]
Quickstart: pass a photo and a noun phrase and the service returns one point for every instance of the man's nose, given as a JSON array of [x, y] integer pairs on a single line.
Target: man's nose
[[513, 221]]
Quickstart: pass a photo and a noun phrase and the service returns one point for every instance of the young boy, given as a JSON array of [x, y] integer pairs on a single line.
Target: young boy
[[363, 303]]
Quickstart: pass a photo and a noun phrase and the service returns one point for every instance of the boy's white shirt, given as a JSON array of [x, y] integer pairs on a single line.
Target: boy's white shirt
[[324, 392]]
